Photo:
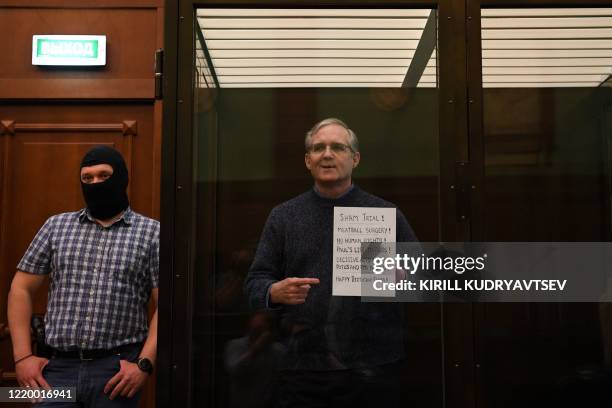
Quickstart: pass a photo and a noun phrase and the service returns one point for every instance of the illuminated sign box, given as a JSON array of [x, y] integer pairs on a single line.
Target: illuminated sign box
[[69, 50]]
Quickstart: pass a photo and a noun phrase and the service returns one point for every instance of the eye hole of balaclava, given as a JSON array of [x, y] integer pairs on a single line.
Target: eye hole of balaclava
[[106, 199]]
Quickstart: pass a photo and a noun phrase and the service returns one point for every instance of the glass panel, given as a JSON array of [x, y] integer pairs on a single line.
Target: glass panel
[[547, 138], [263, 78]]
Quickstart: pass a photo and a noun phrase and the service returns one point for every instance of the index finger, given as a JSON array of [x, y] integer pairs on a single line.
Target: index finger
[[305, 281]]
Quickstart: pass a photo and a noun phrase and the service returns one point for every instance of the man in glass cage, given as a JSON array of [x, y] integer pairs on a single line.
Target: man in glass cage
[[340, 350]]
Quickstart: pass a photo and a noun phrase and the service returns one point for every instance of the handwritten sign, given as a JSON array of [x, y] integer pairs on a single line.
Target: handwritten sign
[[352, 226]]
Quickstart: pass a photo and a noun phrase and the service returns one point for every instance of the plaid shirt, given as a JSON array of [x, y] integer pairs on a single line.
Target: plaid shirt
[[100, 278]]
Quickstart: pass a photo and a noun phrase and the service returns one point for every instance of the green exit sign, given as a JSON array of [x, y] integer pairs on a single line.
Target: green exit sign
[[69, 50]]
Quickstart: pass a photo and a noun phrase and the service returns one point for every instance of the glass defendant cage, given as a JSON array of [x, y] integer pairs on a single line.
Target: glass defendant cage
[[479, 120]]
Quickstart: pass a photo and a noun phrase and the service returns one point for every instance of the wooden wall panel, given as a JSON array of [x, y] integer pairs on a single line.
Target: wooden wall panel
[[132, 37]]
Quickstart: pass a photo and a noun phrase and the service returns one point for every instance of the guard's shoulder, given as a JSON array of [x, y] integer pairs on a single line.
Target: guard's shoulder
[[58, 221], [144, 220], [64, 217]]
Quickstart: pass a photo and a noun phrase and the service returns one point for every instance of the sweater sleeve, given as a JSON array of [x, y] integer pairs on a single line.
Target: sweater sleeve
[[266, 268]]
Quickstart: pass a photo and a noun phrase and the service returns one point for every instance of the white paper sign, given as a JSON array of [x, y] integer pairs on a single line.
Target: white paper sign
[[352, 226]]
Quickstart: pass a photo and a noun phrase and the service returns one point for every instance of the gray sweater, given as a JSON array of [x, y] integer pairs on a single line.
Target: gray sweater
[[329, 333]]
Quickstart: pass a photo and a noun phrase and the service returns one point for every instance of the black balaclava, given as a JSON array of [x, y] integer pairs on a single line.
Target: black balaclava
[[108, 198]]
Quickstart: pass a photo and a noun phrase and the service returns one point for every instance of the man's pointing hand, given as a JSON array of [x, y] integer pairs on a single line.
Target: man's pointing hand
[[291, 291]]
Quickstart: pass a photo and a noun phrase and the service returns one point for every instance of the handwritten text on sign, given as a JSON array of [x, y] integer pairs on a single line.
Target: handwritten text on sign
[[352, 226]]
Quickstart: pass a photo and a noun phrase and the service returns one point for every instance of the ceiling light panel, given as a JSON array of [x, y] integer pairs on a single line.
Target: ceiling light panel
[[320, 71], [337, 44], [547, 12], [314, 53], [543, 78], [369, 13], [546, 71], [312, 62], [542, 85], [544, 22], [324, 85], [312, 23], [548, 34], [310, 77], [315, 34], [317, 47], [546, 47], [547, 62]]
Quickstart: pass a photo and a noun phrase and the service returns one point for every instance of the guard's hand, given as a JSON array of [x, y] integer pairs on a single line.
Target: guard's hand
[[127, 381], [291, 291], [29, 372]]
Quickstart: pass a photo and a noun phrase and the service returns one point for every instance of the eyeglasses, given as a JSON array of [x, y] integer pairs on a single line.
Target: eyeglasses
[[337, 148]]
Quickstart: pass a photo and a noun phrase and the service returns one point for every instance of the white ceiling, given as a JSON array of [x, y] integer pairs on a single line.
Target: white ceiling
[[374, 48]]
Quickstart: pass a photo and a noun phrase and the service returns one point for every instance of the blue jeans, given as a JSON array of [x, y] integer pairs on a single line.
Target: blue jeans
[[89, 377]]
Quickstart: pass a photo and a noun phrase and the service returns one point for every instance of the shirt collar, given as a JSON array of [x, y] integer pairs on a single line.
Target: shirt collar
[[126, 217], [317, 192]]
